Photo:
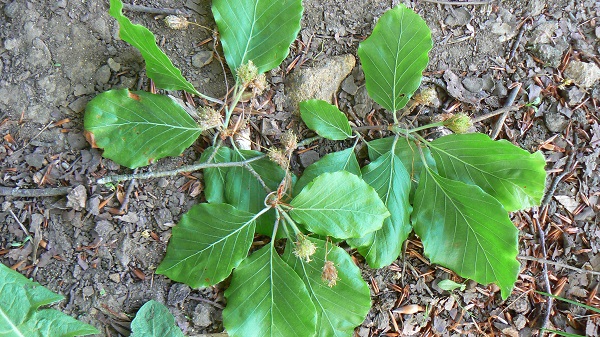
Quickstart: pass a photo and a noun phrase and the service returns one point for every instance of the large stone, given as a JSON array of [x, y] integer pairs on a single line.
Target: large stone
[[320, 81], [583, 74]]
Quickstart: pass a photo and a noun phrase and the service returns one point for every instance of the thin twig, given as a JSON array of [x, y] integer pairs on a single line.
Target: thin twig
[[215, 304], [19, 222], [151, 10], [550, 300], [504, 110], [456, 3], [509, 101], [558, 264], [566, 170], [517, 42], [34, 192], [127, 194], [169, 173]]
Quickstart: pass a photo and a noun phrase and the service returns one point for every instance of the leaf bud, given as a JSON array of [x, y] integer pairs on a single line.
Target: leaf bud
[[304, 248], [459, 123], [330, 274], [176, 22], [247, 73], [208, 118], [289, 141]]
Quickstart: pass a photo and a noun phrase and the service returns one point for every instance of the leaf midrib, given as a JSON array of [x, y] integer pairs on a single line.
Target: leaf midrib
[[440, 187], [13, 327]]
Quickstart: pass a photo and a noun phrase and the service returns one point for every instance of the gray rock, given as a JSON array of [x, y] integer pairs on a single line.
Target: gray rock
[[308, 157], [79, 104], [574, 96], [114, 66], [549, 54], [80, 90], [535, 8], [104, 228], [77, 197], [458, 17], [76, 141], [103, 74], [12, 9], [320, 81], [202, 58], [554, 120], [178, 293], [473, 84], [202, 315], [583, 74], [543, 32], [35, 159], [349, 86]]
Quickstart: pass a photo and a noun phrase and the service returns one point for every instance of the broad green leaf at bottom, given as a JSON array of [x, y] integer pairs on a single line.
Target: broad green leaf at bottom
[[267, 298], [345, 305], [137, 128], [154, 320], [158, 65], [209, 241], [390, 179], [465, 229], [20, 316]]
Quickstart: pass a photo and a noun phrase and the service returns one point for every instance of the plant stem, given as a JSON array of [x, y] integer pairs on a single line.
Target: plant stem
[[308, 141], [372, 127], [424, 127], [169, 173], [238, 92], [289, 220]]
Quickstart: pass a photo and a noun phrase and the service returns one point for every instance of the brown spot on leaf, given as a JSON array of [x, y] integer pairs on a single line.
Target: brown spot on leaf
[[89, 136], [134, 96]]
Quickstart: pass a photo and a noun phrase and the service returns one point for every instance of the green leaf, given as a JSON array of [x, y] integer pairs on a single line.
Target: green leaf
[[137, 128], [154, 320], [260, 31], [244, 191], [450, 285], [394, 57], [566, 300], [214, 178], [339, 204], [325, 119], [158, 65], [20, 316], [267, 298], [408, 152], [344, 160], [508, 173], [334, 318], [466, 230], [209, 241], [389, 178]]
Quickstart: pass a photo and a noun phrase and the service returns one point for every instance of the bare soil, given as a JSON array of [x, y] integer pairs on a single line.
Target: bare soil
[[57, 55]]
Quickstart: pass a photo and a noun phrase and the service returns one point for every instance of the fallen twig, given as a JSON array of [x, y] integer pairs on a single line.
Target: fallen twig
[[170, 173], [33, 192], [558, 264], [505, 110], [566, 170], [509, 101], [125, 202], [550, 300], [463, 3], [151, 10]]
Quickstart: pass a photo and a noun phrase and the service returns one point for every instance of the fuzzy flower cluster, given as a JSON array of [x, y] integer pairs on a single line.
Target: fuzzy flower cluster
[[304, 248], [459, 123]]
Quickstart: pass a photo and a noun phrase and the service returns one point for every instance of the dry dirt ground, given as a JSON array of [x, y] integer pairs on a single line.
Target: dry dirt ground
[[56, 55]]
